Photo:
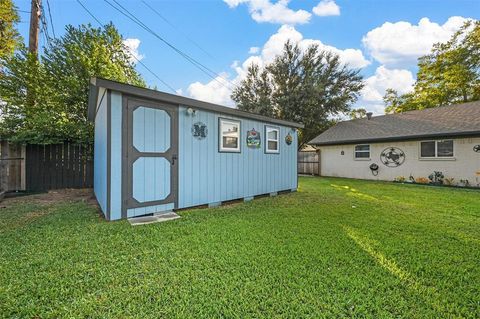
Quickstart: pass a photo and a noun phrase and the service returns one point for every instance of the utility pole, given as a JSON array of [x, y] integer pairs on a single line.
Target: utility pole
[[35, 13]]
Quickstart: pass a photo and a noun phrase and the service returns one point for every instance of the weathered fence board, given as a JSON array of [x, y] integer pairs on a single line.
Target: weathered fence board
[[59, 166], [12, 167], [308, 162]]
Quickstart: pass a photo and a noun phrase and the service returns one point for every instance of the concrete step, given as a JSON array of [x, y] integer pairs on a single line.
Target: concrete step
[[156, 218]]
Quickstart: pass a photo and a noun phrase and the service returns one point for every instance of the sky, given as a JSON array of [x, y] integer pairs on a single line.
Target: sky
[[381, 38]]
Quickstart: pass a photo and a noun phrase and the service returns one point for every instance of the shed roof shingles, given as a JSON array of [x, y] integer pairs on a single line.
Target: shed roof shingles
[[459, 119]]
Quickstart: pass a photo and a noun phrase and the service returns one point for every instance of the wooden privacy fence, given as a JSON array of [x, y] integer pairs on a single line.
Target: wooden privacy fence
[[58, 166], [308, 162], [12, 167]]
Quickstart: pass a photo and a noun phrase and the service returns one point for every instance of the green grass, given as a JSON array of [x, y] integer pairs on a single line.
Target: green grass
[[336, 248]]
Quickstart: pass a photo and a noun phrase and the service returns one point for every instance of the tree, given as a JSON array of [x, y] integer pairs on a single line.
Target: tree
[[309, 86], [9, 36], [450, 74], [357, 113], [58, 81]]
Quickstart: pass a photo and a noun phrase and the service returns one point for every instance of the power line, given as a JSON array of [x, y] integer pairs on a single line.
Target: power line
[[24, 11], [200, 66], [143, 64], [91, 14], [51, 20], [44, 26], [174, 27]]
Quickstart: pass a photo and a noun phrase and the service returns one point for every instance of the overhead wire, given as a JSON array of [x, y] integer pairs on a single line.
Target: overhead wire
[[51, 20], [141, 63], [44, 26], [212, 74], [176, 28]]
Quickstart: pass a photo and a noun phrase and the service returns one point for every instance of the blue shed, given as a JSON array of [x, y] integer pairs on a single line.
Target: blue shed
[[157, 152]]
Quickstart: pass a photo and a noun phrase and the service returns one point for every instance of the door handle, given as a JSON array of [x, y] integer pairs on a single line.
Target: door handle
[[174, 158]]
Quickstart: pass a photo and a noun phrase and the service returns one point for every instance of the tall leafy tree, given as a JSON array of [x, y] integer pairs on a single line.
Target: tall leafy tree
[[310, 86], [357, 113], [9, 36], [58, 81], [450, 74]]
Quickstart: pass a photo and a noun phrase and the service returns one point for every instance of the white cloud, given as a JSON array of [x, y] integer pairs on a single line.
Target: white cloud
[[274, 47], [326, 8], [216, 93], [372, 94], [132, 46], [401, 43], [254, 50], [266, 11], [400, 80]]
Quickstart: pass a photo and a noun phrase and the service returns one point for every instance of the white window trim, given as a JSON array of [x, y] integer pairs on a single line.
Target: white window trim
[[269, 128], [436, 157], [362, 158], [223, 149]]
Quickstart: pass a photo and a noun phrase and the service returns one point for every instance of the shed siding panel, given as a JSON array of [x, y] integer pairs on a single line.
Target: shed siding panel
[[206, 175], [116, 157], [100, 152]]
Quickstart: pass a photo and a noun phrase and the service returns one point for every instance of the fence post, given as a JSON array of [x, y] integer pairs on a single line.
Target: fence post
[[3, 167], [319, 163]]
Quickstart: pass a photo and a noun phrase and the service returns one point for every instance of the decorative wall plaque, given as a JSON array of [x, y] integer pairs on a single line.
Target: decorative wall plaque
[[199, 130], [392, 157], [253, 139], [288, 139], [476, 148]]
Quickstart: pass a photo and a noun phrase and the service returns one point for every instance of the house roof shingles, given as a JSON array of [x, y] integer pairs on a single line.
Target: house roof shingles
[[446, 121]]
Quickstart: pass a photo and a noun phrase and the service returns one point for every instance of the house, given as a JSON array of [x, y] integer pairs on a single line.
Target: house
[[156, 152], [408, 145]]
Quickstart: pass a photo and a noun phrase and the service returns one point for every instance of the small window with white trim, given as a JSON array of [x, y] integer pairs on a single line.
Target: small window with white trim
[[229, 137], [436, 149], [362, 151], [272, 144]]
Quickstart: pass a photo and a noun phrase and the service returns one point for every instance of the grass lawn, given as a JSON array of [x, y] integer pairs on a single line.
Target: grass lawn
[[336, 248]]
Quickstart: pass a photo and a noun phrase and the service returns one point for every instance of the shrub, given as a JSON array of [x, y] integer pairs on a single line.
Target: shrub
[[449, 181], [422, 180], [436, 177]]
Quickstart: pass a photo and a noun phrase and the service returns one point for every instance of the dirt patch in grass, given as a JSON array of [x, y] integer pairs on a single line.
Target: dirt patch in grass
[[52, 197], [19, 211]]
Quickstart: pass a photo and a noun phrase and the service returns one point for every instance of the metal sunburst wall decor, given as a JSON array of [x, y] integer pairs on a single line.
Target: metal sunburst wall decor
[[199, 130], [392, 157], [476, 148]]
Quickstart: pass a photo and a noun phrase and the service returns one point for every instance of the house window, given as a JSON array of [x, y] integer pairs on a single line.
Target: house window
[[362, 151], [436, 149], [229, 137], [272, 139]]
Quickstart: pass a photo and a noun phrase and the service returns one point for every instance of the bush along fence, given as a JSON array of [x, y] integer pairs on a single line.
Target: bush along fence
[[46, 167]]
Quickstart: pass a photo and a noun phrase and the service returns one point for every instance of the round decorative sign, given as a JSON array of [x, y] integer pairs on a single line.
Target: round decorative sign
[[476, 148], [288, 139], [392, 157], [199, 130], [253, 139]]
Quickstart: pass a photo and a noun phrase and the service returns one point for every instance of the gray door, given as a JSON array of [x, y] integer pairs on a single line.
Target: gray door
[[151, 163]]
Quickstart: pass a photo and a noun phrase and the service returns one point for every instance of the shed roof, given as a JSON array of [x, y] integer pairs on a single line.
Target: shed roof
[[460, 120], [96, 83]]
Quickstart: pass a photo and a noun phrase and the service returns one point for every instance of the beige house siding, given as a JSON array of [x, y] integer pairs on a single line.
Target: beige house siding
[[464, 165]]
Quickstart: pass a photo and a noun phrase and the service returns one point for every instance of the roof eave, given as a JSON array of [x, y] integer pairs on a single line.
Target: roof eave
[[399, 138], [185, 101]]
